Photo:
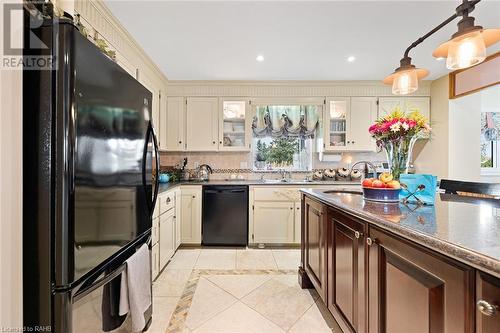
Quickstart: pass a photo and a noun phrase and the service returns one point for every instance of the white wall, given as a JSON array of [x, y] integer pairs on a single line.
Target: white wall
[[431, 156], [11, 190], [465, 129]]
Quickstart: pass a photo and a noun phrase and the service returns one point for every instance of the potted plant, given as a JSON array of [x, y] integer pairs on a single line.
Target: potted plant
[[397, 133]]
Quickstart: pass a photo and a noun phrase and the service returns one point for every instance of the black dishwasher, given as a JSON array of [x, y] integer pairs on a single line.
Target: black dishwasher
[[225, 215]]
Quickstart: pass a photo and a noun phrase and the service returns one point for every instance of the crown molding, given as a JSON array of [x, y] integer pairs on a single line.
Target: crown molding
[[102, 19], [285, 88]]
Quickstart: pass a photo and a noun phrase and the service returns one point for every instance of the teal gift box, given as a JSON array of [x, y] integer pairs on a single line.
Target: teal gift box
[[427, 194]]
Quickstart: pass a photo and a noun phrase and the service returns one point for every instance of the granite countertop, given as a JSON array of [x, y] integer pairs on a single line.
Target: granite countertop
[[466, 231], [168, 186]]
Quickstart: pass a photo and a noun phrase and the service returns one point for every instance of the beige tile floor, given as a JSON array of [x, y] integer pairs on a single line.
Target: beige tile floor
[[236, 291]]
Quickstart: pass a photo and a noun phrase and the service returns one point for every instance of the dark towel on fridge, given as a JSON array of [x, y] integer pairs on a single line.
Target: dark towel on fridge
[[111, 319]]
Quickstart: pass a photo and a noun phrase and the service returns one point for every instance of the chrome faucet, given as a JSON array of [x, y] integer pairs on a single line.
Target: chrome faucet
[[284, 174], [366, 163]]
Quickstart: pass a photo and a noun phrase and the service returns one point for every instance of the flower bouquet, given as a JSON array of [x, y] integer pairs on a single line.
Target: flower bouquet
[[397, 133]]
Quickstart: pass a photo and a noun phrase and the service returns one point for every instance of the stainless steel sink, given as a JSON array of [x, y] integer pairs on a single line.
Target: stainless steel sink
[[343, 192], [275, 181], [286, 181]]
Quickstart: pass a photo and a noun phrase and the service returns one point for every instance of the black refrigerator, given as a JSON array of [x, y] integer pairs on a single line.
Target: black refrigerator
[[90, 152]]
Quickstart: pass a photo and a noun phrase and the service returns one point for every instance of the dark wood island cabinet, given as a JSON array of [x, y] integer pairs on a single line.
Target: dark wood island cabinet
[[376, 281]]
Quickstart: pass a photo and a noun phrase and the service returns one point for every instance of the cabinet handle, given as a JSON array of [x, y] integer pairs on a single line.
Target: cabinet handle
[[370, 241], [291, 208], [194, 197], [298, 208], [486, 308], [213, 142], [180, 142], [220, 142], [358, 234], [168, 200]]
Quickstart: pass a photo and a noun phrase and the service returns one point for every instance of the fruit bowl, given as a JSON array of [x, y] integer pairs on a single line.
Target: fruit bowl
[[390, 195], [383, 189]]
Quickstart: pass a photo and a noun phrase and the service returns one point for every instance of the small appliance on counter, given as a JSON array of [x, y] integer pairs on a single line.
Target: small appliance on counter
[[204, 172]]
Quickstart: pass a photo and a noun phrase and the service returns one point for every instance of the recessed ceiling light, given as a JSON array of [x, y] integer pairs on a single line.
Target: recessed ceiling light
[[260, 58], [351, 58]]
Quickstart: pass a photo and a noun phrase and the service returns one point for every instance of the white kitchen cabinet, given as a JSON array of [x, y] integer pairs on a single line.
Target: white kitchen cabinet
[[155, 231], [363, 113], [346, 122], [175, 123], [191, 215], [177, 216], [336, 123], [298, 217], [155, 104], [387, 104], [155, 261], [166, 238], [202, 124], [273, 222], [234, 124]]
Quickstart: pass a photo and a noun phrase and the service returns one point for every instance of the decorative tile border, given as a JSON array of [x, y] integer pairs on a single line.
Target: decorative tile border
[[177, 321]]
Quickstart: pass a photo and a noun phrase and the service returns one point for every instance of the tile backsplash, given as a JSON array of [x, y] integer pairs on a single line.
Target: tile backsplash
[[224, 164]]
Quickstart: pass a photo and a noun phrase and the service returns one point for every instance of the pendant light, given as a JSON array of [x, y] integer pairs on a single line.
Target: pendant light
[[467, 47], [405, 78]]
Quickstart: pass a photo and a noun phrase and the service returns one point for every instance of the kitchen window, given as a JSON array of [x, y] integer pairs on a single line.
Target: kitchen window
[[284, 136], [490, 149]]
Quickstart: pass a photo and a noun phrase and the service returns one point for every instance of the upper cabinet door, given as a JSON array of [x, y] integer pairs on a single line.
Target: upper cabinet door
[[202, 124], [423, 104], [363, 114], [234, 125], [336, 123], [175, 124], [407, 104], [387, 104]]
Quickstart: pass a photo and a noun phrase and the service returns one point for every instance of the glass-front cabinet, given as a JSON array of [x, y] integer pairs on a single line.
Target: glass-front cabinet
[[336, 122], [234, 128]]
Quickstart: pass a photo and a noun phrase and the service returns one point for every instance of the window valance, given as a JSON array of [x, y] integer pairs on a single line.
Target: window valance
[[286, 121]]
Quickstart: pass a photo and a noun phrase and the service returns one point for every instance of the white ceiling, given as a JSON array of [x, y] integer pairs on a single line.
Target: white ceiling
[[300, 40]]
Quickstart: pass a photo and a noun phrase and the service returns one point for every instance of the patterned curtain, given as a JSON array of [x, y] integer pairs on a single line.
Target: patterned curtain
[[286, 121]]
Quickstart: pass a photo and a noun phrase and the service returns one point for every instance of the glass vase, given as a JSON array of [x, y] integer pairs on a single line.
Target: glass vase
[[399, 153]]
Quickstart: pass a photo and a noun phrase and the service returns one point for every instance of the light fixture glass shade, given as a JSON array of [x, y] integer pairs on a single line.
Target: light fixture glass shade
[[465, 51], [405, 82]]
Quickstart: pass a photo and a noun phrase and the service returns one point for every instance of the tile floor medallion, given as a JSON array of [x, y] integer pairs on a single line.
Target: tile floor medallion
[[236, 291]]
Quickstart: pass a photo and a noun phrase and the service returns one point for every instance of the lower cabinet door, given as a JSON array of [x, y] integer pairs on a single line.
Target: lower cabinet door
[[273, 222], [166, 238], [191, 215], [314, 247], [155, 231], [414, 291], [155, 261], [487, 303], [346, 271], [178, 209], [297, 221]]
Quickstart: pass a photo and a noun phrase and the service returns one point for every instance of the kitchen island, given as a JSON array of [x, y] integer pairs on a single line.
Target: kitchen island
[[397, 268]]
